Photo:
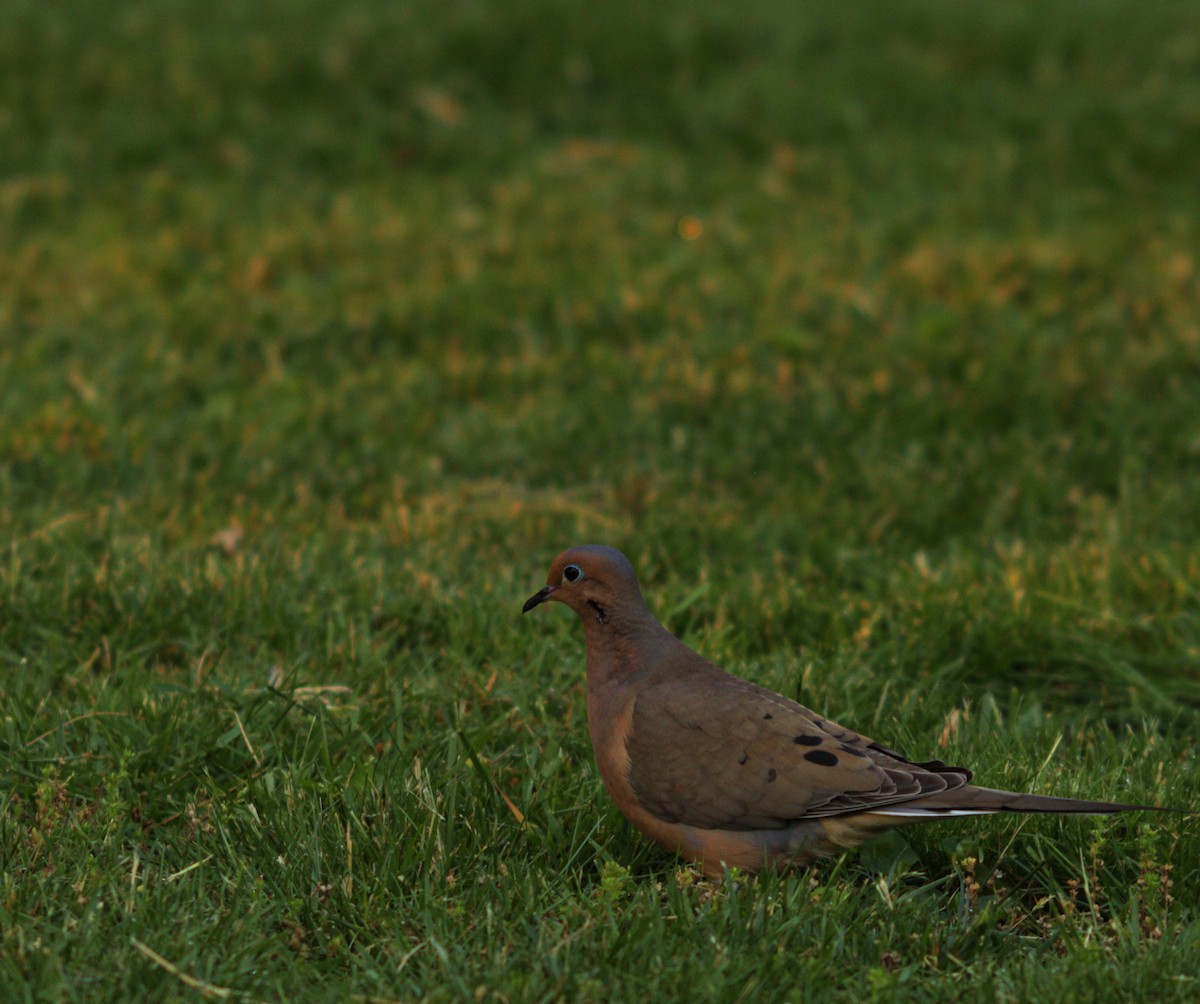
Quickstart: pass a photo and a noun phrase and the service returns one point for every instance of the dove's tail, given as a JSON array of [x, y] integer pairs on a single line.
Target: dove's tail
[[971, 800]]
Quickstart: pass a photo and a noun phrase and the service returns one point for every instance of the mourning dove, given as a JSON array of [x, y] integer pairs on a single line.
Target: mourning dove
[[727, 773]]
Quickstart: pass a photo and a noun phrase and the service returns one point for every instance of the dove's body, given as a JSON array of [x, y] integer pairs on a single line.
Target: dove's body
[[725, 772]]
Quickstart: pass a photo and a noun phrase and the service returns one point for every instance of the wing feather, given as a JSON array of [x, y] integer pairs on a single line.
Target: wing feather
[[762, 762]]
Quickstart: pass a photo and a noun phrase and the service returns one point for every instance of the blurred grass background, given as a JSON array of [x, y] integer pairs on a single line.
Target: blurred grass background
[[870, 333]]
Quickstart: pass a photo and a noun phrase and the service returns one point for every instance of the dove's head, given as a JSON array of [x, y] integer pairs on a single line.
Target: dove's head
[[591, 580]]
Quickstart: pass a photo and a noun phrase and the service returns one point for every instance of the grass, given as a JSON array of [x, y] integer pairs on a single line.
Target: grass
[[870, 334]]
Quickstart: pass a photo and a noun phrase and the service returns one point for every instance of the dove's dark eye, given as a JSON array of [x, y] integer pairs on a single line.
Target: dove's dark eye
[[572, 573]]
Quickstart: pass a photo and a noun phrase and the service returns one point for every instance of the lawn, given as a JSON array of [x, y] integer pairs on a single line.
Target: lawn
[[871, 333]]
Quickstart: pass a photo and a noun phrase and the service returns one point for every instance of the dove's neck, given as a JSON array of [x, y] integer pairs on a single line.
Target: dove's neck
[[625, 645]]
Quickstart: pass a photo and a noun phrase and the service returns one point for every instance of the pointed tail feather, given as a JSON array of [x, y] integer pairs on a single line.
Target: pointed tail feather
[[971, 800], [1074, 806]]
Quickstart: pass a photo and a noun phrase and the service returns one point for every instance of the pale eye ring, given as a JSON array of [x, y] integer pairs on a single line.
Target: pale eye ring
[[572, 573]]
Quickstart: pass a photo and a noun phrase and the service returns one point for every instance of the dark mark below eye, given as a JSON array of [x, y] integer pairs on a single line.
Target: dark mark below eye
[[767, 717], [744, 757], [771, 775], [822, 758]]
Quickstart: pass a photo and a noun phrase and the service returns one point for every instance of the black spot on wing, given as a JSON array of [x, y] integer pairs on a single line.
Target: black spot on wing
[[823, 758], [807, 740]]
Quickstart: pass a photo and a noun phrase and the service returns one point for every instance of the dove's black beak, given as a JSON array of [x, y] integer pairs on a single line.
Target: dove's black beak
[[540, 596]]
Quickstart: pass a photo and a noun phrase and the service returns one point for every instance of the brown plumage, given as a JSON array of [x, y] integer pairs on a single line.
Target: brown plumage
[[728, 773]]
